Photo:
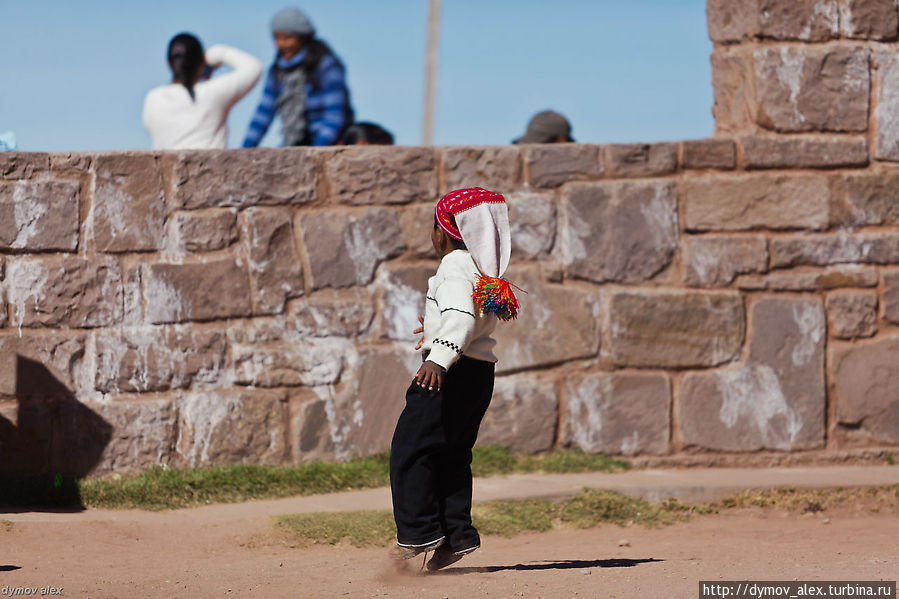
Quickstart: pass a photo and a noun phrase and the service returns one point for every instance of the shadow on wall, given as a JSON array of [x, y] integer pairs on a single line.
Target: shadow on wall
[[55, 441]]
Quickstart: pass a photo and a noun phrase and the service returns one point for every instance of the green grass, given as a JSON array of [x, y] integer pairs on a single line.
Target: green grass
[[871, 499], [7, 525], [588, 509], [170, 488]]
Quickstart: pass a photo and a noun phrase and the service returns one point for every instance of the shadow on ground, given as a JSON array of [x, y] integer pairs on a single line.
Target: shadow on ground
[[567, 564]]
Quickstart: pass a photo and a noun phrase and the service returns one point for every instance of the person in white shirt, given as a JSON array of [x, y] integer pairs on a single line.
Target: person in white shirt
[[191, 112]]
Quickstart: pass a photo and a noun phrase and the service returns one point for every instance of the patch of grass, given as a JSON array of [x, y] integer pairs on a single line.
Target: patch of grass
[[171, 488], [594, 507], [360, 529], [507, 518], [511, 517], [874, 499], [889, 459], [7, 525]]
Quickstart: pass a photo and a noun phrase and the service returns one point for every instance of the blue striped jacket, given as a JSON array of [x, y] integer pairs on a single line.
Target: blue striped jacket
[[328, 109]]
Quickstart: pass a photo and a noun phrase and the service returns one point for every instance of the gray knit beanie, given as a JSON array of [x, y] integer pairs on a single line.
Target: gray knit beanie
[[292, 20]]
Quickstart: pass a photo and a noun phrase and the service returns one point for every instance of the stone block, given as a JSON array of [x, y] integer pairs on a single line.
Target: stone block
[[640, 160], [869, 19], [289, 363], [891, 296], [806, 20], [71, 163], [716, 260], [804, 151], [39, 216], [674, 329], [730, 21], [555, 324], [496, 168], [523, 415], [808, 88], [550, 165], [329, 315], [204, 230], [402, 299], [60, 354], [851, 314], [276, 271], [144, 433], [64, 292], [532, 220], [417, 222], [310, 431], [358, 416], [128, 208], [345, 249], [23, 165], [775, 399], [617, 413], [886, 109], [873, 198], [196, 291], [148, 358], [379, 175], [709, 153], [229, 427], [866, 389], [250, 177], [824, 250], [741, 202], [621, 231], [849, 275], [733, 89]]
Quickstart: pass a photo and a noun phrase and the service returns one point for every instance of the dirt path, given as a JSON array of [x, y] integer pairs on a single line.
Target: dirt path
[[177, 556]]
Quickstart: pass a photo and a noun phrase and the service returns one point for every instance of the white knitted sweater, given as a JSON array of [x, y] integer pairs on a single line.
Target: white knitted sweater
[[452, 324]]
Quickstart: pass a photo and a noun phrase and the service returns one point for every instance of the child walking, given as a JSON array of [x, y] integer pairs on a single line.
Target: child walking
[[430, 456]]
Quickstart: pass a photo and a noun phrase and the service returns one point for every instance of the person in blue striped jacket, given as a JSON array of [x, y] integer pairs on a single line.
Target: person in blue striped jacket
[[306, 87]]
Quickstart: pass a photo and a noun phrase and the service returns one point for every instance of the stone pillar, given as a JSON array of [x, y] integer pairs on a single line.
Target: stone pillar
[[790, 67]]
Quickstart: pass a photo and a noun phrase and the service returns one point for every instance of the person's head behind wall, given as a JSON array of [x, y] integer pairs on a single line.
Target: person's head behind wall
[[291, 30], [363, 134], [187, 60], [546, 127]]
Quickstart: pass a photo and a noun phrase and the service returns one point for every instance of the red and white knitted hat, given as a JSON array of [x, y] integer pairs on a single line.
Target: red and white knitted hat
[[480, 219]]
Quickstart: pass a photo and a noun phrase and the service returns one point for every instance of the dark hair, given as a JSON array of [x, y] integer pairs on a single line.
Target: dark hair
[[185, 59], [368, 133], [457, 243], [315, 49]]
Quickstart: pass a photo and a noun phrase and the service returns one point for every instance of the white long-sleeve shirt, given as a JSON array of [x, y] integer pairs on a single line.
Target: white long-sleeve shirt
[[452, 324], [177, 122]]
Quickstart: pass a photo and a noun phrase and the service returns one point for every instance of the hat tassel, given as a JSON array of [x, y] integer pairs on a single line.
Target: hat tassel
[[495, 296]]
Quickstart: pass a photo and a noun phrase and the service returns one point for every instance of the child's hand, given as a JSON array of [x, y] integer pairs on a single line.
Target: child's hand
[[430, 375], [421, 329]]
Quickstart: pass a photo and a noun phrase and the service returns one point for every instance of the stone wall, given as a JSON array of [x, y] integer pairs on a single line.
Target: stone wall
[[727, 295]]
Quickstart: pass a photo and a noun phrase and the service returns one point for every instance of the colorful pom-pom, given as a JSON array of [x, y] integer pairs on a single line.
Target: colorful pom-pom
[[495, 296]]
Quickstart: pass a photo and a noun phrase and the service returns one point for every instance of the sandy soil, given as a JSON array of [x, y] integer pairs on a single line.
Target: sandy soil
[[175, 555]]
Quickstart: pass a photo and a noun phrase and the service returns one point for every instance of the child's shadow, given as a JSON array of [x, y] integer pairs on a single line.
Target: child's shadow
[[566, 564]]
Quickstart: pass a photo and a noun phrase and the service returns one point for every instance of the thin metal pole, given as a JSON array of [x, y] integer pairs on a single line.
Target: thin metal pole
[[427, 129]]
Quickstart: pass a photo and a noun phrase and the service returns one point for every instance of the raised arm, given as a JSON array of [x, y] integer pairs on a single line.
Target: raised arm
[[245, 71]]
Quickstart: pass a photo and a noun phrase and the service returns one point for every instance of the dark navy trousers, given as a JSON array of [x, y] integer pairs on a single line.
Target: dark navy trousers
[[430, 456]]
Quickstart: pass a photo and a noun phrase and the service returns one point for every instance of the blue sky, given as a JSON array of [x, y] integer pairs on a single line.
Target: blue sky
[[73, 75]]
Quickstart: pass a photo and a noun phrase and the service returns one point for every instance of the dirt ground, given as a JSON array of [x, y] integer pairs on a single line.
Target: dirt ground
[[133, 554]]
